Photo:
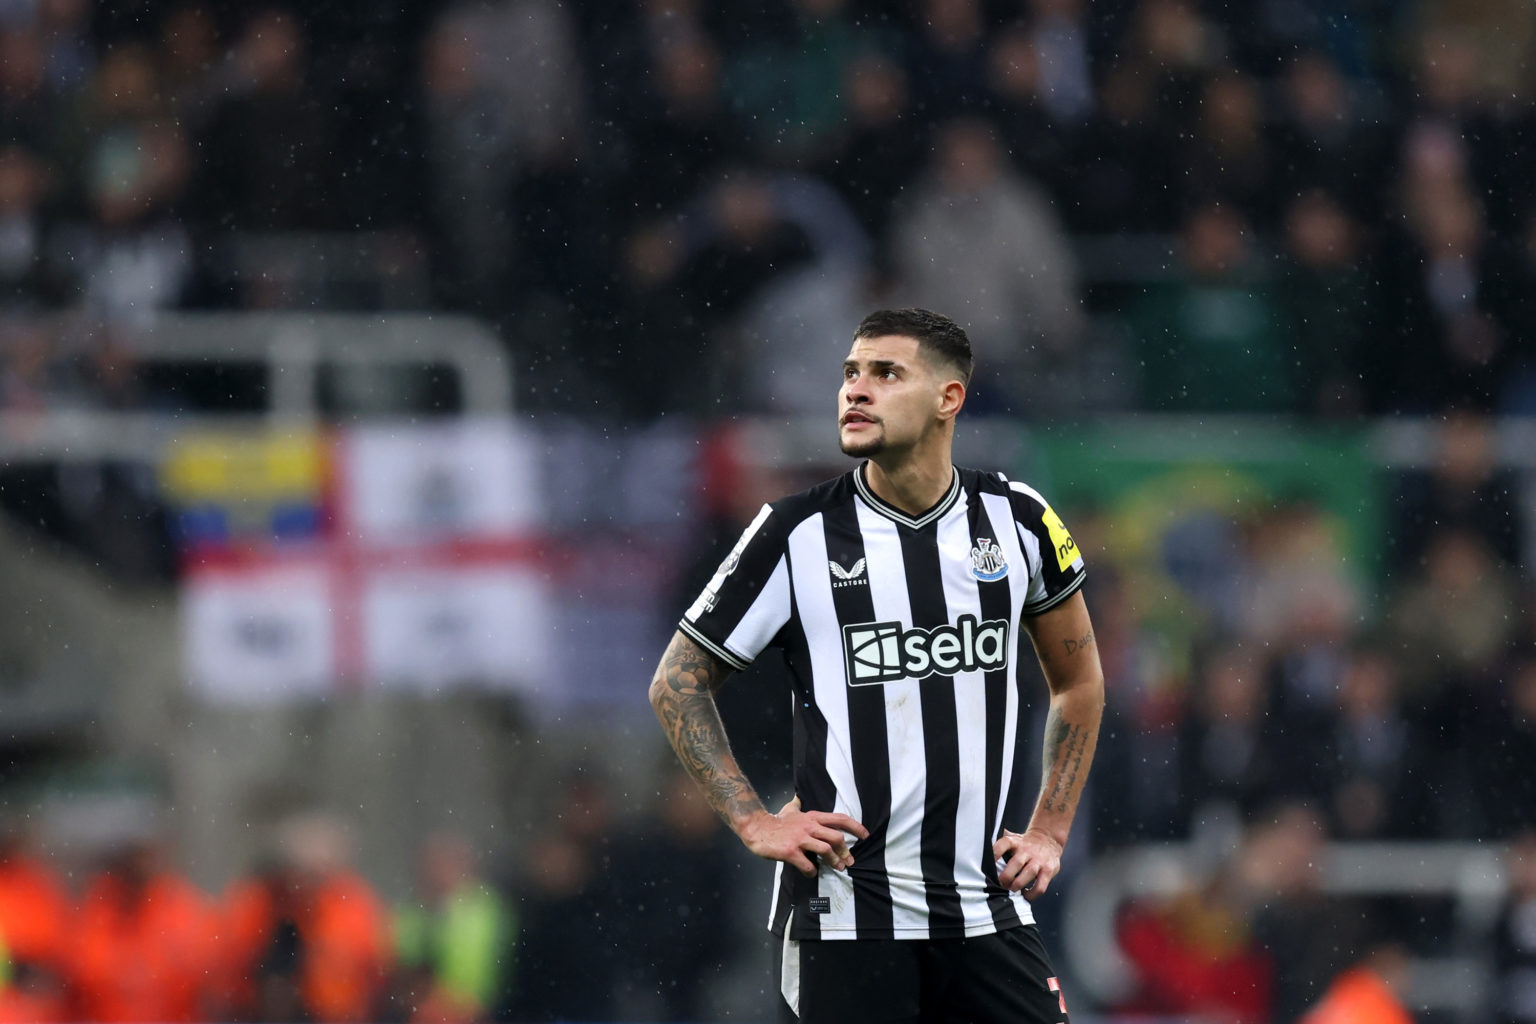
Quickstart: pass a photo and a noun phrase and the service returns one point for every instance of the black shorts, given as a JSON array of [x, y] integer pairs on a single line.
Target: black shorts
[[990, 979]]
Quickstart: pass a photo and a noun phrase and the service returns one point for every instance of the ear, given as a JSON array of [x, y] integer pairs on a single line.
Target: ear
[[951, 398]]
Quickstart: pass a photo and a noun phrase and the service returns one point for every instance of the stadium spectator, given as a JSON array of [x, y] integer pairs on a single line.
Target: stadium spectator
[[947, 57], [190, 65], [1062, 40], [787, 89], [504, 131], [267, 148], [1367, 993], [881, 148], [658, 361], [525, 52], [1323, 140], [529, 59], [1435, 323], [471, 156], [305, 937], [135, 254], [1124, 175], [1282, 867], [35, 920], [1294, 590], [1195, 954], [1232, 762], [1179, 46], [681, 874], [454, 945], [63, 28], [974, 235], [628, 42], [1456, 91], [1453, 618], [142, 944], [1040, 135], [1322, 291], [1228, 154], [740, 238], [23, 178], [1209, 338], [682, 129], [31, 110], [1463, 488], [1371, 775], [569, 951], [260, 950]]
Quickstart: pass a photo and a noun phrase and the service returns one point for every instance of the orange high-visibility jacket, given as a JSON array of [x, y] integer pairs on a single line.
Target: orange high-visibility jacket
[[141, 955], [344, 932], [1358, 996]]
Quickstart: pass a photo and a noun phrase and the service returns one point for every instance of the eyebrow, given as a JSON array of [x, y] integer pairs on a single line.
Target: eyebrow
[[874, 364]]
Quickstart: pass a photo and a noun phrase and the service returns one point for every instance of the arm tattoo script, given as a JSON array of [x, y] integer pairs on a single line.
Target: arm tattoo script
[[1073, 646], [1062, 762], [683, 696]]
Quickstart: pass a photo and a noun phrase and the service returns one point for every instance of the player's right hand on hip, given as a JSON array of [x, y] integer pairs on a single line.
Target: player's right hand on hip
[[796, 837]]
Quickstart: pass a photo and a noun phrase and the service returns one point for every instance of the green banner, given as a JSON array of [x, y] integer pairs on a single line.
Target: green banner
[[1201, 513]]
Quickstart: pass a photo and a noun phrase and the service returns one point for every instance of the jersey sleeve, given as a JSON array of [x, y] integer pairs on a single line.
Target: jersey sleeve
[[1058, 571], [747, 602]]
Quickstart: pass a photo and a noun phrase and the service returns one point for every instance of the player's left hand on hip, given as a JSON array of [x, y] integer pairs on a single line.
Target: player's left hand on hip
[[1027, 861]]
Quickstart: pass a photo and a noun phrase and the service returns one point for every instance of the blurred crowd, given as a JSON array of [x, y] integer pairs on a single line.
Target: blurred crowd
[[1401, 707], [1303, 206], [593, 923], [1265, 699]]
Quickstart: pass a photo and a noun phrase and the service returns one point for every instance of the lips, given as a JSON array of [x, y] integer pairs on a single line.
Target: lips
[[854, 416]]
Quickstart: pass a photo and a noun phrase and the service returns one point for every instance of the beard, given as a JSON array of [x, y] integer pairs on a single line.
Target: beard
[[865, 447]]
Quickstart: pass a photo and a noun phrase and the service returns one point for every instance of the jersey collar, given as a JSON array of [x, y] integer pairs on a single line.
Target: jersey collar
[[895, 514]]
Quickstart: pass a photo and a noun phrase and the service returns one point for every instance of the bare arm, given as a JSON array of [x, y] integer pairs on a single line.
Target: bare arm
[[683, 697], [1069, 657]]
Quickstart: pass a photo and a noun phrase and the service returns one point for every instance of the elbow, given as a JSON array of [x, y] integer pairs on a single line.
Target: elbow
[[1087, 692]]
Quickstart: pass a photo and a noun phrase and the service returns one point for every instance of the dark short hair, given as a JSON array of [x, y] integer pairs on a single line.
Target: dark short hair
[[937, 336]]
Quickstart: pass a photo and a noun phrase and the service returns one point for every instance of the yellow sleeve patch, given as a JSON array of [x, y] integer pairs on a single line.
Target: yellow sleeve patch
[[1061, 540]]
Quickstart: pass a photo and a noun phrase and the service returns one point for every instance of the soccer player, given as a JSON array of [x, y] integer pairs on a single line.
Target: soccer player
[[897, 593]]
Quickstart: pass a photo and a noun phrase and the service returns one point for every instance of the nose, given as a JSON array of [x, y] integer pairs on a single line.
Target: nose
[[854, 391]]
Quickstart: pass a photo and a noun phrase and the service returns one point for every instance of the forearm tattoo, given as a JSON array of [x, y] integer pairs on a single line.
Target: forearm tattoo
[[683, 696], [1063, 763]]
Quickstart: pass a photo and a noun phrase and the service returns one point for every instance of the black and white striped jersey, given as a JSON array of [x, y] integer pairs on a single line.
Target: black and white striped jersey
[[902, 636]]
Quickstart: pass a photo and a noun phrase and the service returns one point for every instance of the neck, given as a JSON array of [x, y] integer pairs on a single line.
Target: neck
[[913, 481]]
